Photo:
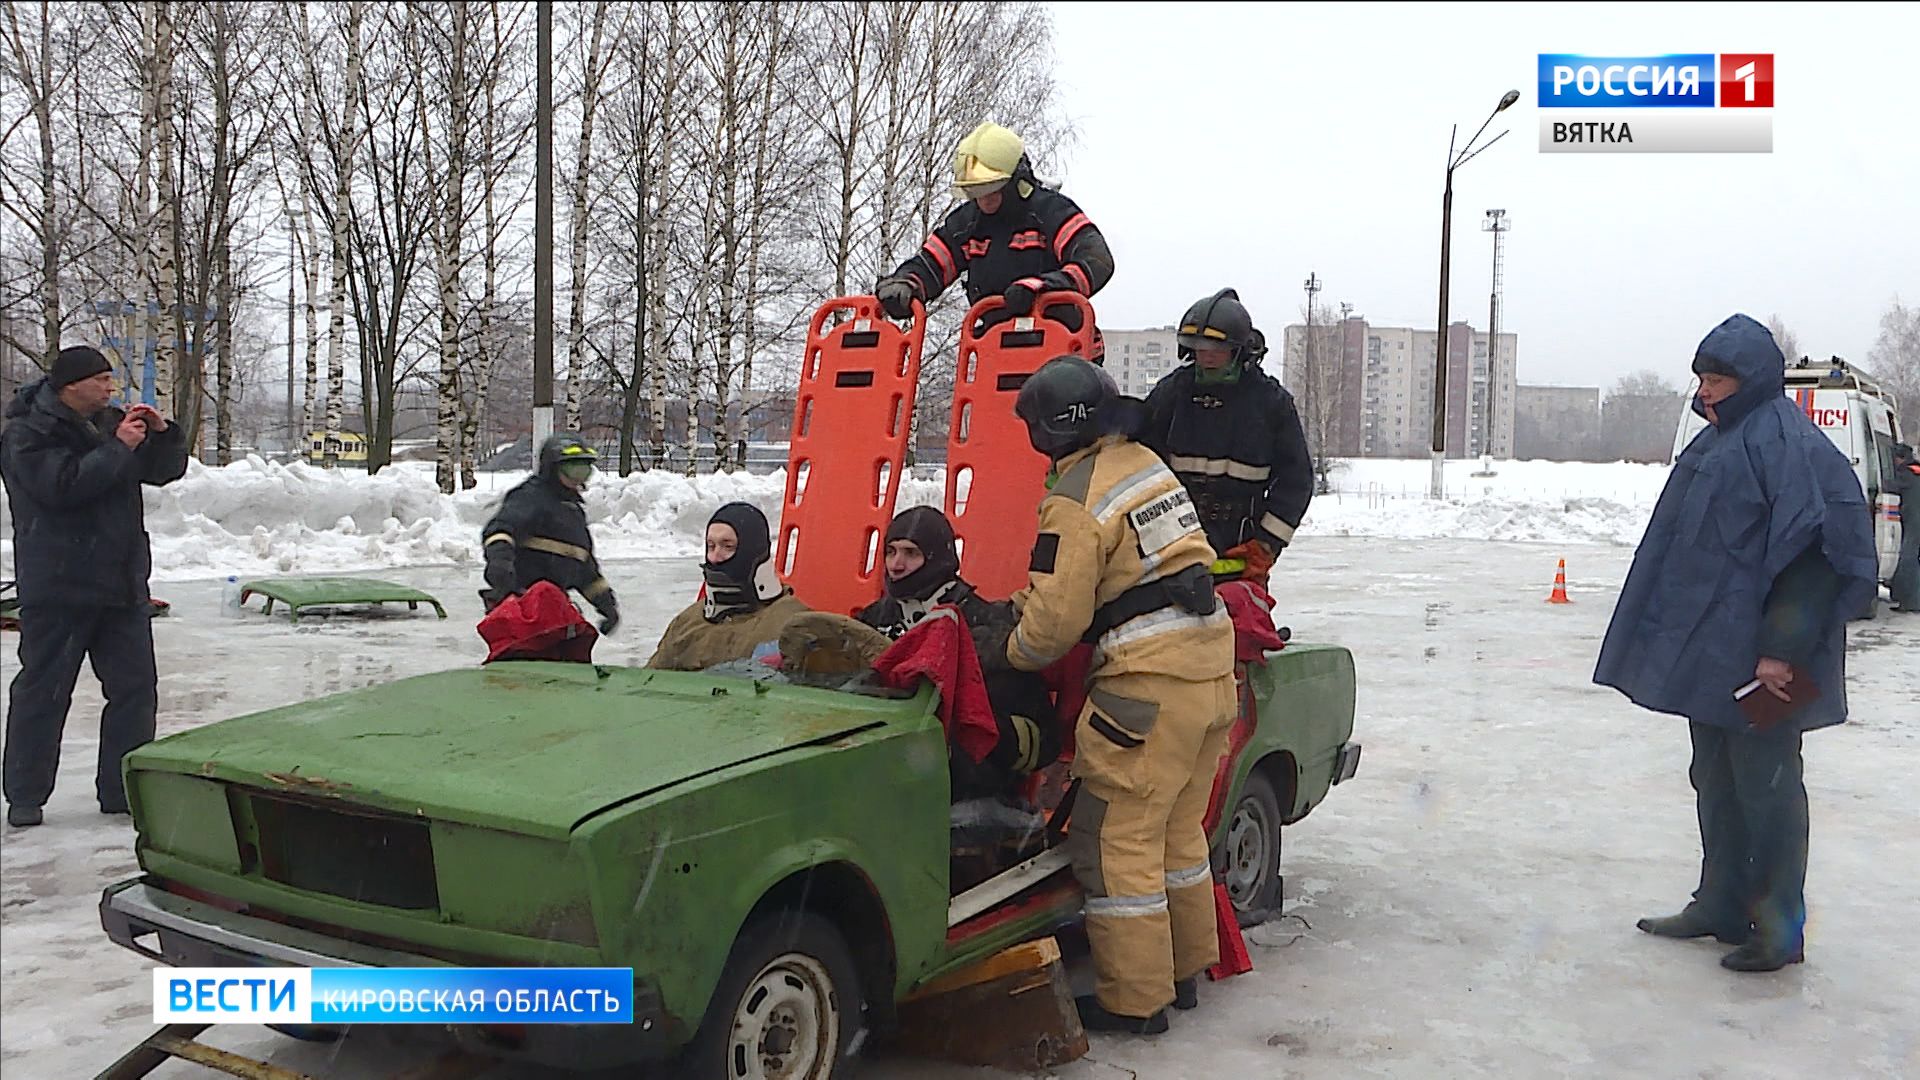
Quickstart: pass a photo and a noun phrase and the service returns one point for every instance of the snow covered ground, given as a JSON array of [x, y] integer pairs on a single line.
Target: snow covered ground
[[1462, 908], [254, 518]]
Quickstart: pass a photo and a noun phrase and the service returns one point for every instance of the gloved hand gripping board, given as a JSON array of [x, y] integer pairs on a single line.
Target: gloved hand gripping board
[[851, 417], [995, 479]]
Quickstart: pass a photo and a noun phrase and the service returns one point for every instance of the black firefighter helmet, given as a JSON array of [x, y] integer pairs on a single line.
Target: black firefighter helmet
[[1221, 319], [1064, 405], [561, 448]]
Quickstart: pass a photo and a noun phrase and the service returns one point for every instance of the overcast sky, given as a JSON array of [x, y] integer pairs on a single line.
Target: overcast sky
[[1246, 145]]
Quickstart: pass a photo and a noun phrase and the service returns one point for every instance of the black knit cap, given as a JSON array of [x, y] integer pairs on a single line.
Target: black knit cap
[[76, 362], [929, 530]]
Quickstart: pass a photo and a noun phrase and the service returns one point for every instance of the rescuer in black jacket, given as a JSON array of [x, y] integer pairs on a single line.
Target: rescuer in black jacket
[[540, 533], [1230, 432], [1011, 237]]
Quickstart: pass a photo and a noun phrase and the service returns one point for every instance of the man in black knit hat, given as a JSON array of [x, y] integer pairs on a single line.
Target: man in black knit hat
[[73, 466]]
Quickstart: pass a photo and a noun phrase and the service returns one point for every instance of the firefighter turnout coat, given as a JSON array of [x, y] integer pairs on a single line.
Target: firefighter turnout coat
[[1042, 240], [540, 534], [1121, 561], [1239, 449]]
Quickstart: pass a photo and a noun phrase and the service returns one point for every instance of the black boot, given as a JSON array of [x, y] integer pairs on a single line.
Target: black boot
[[1694, 923], [1186, 993], [1095, 1017], [1759, 955], [24, 817]]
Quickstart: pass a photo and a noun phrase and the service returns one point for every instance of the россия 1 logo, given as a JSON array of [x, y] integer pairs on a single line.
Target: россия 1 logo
[[1679, 103]]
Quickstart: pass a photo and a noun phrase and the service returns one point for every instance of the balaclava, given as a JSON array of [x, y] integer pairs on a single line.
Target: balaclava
[[747, 581], [927, 528]]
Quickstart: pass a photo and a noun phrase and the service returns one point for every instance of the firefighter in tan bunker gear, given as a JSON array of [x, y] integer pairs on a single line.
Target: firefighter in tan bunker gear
[[1122, 561]]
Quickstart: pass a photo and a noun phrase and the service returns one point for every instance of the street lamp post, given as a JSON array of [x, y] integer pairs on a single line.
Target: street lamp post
[[1454, 160], [1310, 378]]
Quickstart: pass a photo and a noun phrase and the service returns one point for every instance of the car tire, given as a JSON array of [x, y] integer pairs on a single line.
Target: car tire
[[313, 1033], [1248, 862], [788, 1006]]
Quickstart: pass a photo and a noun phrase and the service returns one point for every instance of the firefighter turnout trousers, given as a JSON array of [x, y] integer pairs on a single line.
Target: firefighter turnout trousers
[[1137, 838]]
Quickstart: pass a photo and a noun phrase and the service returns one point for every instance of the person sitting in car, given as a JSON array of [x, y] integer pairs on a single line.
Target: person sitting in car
[[922, 573], [744, 604]]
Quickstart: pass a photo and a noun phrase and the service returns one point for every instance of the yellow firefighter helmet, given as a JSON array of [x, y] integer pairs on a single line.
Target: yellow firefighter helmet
[[985, 160]]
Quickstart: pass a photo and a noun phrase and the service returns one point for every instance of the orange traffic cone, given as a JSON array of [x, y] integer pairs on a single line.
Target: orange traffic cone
[[1560, 586]]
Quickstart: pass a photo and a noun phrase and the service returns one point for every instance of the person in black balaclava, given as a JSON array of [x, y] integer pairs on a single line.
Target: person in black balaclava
[[923, 572], [743, 605]]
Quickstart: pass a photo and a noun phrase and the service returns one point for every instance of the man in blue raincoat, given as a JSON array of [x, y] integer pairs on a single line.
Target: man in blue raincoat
[[1759, 549]]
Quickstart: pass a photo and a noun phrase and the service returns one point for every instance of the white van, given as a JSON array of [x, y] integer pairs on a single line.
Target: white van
[[1862, 419]]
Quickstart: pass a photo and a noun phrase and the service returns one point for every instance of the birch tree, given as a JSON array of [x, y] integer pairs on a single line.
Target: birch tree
[[594, 71], [165, 242], [448, 262], [32, 63], [235, 57], [342, 212]]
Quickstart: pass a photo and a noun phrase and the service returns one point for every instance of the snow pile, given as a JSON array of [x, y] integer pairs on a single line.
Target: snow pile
[[1564, 521], [254, 517], [1525, 501]]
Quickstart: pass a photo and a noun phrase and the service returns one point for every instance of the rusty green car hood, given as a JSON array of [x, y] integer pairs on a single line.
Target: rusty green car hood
[[532, 747]]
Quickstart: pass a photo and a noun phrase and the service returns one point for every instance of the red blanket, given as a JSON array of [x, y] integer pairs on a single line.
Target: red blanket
[[940, 649], [539, 624], [1251, 608]]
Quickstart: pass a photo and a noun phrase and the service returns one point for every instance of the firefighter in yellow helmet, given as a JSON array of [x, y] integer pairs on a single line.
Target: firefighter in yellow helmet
[[1122, 562], [1010, 236]]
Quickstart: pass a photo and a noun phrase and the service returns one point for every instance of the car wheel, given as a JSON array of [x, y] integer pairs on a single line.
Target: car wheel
[[1249, 859], [788, 1006], [313, 1033]]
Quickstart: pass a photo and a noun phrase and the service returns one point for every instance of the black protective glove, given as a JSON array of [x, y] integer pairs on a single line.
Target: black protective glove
[[990, 643], [896, 295], [608, 605], [493, 598], [1019, 297]]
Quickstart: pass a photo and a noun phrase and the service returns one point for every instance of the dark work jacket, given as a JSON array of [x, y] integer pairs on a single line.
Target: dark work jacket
[[1043, 239], [540, 534], [1012, 693], [1239, 450], [79, 525]]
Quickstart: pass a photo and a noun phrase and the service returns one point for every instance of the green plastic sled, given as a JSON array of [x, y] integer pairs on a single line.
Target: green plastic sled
[[299, 594]]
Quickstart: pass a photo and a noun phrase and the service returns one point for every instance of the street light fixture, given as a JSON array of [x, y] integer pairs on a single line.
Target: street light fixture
[[1454, 160]]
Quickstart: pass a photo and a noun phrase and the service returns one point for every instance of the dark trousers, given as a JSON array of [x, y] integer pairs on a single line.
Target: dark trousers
[[1906, 575], [53, 641], [1753, 830]]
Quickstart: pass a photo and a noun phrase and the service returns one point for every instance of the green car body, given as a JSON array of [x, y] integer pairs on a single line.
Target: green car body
[[572, 815]]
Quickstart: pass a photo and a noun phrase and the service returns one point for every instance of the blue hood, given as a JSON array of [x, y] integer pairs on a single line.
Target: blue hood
[[1746, 350], [1745, 499]]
